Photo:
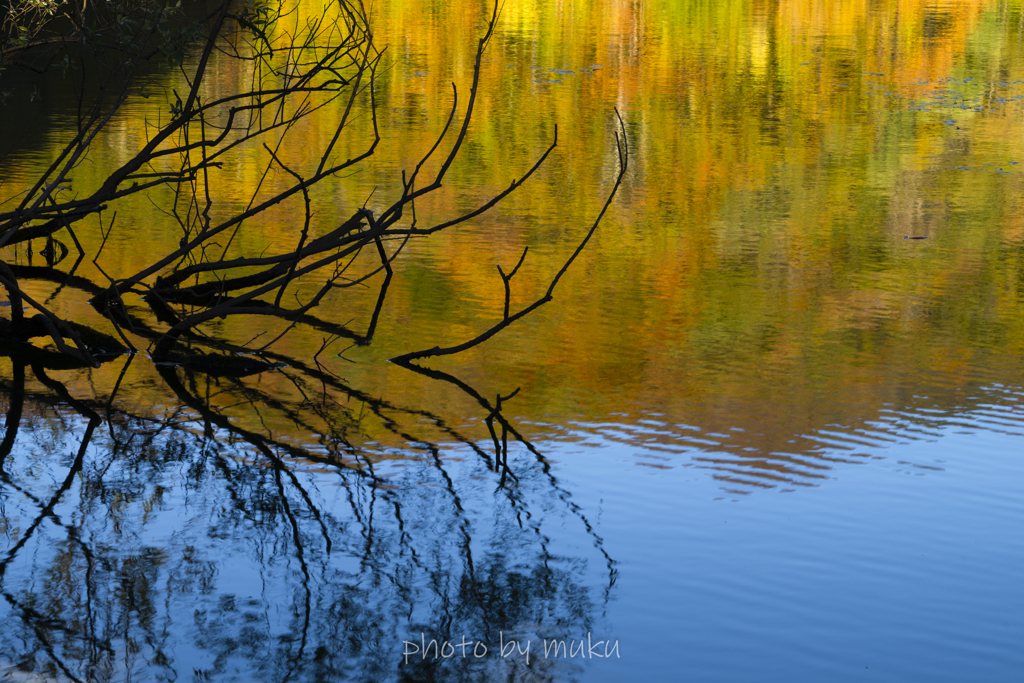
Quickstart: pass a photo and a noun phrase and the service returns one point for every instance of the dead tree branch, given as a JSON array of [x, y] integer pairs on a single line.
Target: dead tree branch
[[622, 148]]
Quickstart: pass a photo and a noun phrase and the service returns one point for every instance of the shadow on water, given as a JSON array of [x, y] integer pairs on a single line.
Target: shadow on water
[[142, 544]]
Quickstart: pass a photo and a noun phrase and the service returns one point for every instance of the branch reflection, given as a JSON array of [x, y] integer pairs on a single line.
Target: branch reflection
[[182, 542]]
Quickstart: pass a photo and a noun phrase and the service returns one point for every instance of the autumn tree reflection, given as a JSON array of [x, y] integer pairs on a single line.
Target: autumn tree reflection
[[325, 67]]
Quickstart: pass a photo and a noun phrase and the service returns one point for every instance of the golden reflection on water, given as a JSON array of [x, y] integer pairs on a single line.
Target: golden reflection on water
[[751, 291]]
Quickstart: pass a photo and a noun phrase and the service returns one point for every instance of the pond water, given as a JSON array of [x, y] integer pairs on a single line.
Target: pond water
[[761, 432]]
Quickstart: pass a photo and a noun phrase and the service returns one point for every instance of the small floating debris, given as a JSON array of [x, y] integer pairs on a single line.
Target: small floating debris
[[915, 237]]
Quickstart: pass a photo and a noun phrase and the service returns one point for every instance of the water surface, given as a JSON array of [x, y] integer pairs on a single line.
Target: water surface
[[765, 434]]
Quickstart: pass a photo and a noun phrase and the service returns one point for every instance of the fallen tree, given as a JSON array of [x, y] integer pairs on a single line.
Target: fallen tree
[[328, 67]]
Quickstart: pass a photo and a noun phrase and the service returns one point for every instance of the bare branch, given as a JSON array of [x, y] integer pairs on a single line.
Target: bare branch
[[623, 154]]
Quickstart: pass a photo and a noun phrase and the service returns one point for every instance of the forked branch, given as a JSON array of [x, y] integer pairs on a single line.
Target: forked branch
[[622, 148]]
